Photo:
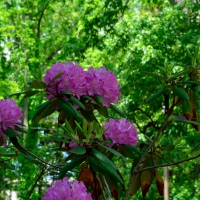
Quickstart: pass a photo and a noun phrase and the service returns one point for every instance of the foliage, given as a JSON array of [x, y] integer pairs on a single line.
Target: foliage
[[153, 48]]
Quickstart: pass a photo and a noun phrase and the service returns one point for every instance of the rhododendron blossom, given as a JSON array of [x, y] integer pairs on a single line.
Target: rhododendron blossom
[[79, 82], [10, 115], [66, 190], [121, 132]]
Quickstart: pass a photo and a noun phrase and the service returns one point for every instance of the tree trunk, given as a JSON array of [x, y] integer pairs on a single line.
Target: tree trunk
[[166, 183]]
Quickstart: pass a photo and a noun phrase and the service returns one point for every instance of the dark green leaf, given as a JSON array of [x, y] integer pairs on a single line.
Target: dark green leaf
[[78, 150], [132, 148], [156, 95], [103, 158], [69, 166], [102, 109], [10, 132], [5, 165], [77, 102], [180, 92], [116, 110], [98, 98], [56, 77], [116, 153], [37, 84], [40, 109], [30, 93], [67, 108]]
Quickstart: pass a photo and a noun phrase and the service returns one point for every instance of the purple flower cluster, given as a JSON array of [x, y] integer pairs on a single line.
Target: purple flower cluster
[[10, 115], [65, 190], [121, 132], [79, 82]]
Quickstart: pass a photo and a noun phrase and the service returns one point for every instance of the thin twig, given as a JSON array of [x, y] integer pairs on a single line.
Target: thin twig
[[167, 165], [109, 193], [39, 177], [146, 152], [100, 186]]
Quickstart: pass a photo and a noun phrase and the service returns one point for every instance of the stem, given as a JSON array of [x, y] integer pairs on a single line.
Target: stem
[[167, 165], [39, 177], [146, 152], [109, 193]]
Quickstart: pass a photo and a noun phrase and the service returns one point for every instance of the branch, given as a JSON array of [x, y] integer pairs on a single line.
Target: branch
[[40, 18], [41, 174], [150, 146], [167, 165], [53, 52]]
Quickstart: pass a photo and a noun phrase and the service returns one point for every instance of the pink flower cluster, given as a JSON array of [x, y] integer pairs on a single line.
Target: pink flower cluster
[[79, 82], [10, 115], [65, 190], [121, 132]]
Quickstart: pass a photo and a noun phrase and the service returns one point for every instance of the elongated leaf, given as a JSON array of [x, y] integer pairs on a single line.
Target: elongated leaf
[[96, 165], [15, 142], [40, 109], [196, 148], [136, 185], [116, 153], [102, 109], [98, 98], [180, 92], [5, 165], [125, 152], [187, 71], [77, 102], [56, 77], [30, 93], [159, 183], [132, 148], [146, 180], [152, 74], [67, 108], [103, 158], [7, 154], [156, 95], [10, 132], [37, 84], [49, 109], [116, 110], [69, 166], [78, 150]]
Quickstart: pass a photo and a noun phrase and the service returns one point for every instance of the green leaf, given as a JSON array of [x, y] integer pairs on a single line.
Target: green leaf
[[187, 71], [180, 92], [103, 158], [152, 74], [156, 95], [49, 109], [67, 108], [7, 155], [127, 153], [102, 109], [56, 77], [30, 93], [15, 142], [69, 166], [116, 153], [6, 166], [37, 84], [132, 148], [96, 165], [116, 110], [40, 109], [78, 150], [136, 184], [10, 132], [98, 98], [196, 148], [77, 102]]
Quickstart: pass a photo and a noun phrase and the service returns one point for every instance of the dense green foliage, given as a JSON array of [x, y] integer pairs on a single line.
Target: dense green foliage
[[127, 37]]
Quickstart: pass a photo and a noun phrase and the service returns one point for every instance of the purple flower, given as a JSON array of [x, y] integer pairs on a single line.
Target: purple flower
[[79, 82], [10, 115], [121, 132], [65, 190], [102, 82], [72, 80]]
